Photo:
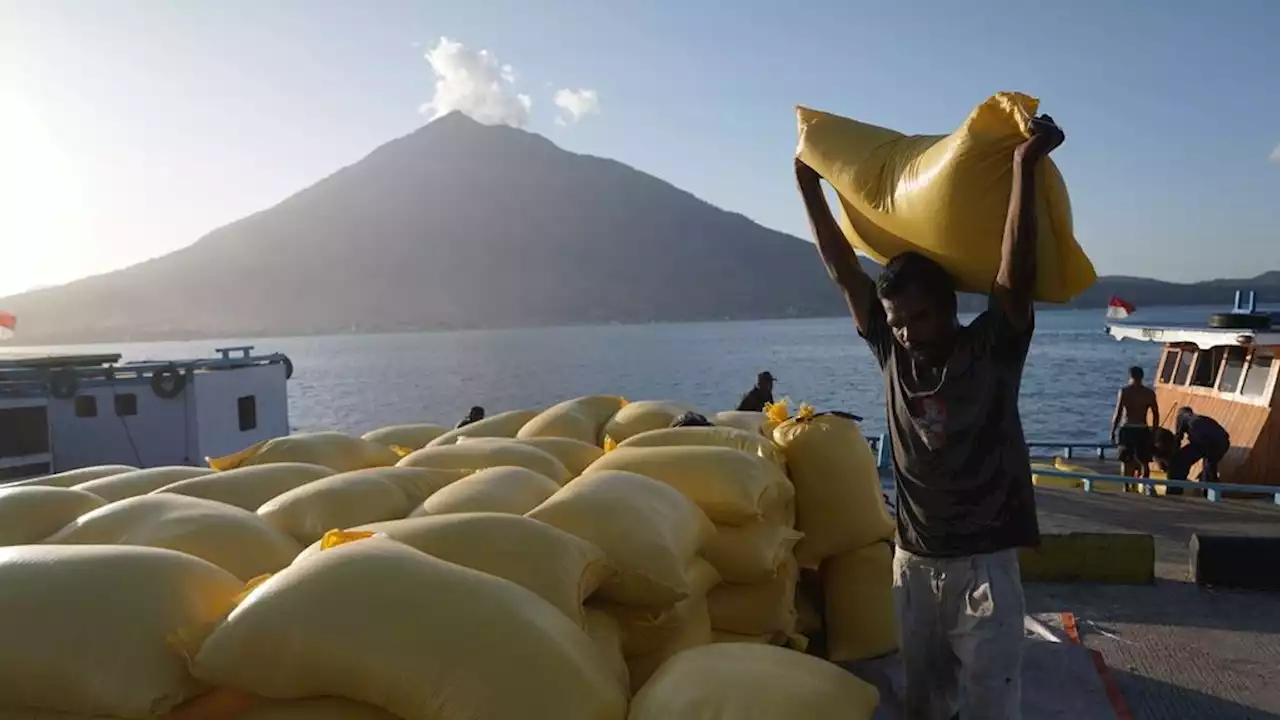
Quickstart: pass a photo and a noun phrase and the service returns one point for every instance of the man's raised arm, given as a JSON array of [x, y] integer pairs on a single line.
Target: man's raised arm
[[842, 263], [1014, 289]]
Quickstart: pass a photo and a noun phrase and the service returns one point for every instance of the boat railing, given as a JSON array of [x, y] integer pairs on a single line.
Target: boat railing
[[1099, 450], [1213, 491]]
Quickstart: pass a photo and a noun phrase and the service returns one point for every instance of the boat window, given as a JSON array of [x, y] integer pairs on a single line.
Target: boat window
[[1232, 370], [1168, 365], [1207, 362], [23, 431], [126, 404], [247, 408], [1185, 358], [86, 406], [1255, 378]]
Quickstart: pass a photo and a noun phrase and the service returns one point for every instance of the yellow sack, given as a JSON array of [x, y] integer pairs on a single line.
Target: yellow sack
[[337, 451], [354, 498], [1054, 481], [482, 455], [139, 482], [748, 420], [502, 425], [511, 490], [580, 419], [839, 500], [946, 196], [71, 478], [647, 530], [380, 623], [695, 631], [236, 540], [649, 629], [32, 513], [731, 487], [767, 607], [860, 619], [412, 436], [751, 443], [86, 628], [607, 637], [643, 416], [248, 487], [575, 455], [318, 708], [750, 553], [741, 681], [558, 567]]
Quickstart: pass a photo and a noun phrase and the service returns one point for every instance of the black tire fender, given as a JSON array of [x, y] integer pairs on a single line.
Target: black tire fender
[[168, 382]]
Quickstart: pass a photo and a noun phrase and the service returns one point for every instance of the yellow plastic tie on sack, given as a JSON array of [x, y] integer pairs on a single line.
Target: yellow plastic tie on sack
[[778, 412], [234, 460], [187, 641], [334, 538], [610, 444], [806, 412], [400, 450]]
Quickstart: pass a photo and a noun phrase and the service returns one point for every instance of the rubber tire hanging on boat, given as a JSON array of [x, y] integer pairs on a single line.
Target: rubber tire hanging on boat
[[63, 383], [1241, 321], [288, 365], [168, 382]]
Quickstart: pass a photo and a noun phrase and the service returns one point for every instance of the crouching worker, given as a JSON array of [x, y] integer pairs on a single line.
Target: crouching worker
[[1206, 440], [960, 459]]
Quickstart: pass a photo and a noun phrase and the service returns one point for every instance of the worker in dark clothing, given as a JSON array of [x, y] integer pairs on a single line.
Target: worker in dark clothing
[[960, 461], [760, 395], [1206, 440], [476, 415]]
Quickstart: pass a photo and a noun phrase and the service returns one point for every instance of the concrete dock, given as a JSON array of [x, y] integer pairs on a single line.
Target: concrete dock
[[1175, 650]]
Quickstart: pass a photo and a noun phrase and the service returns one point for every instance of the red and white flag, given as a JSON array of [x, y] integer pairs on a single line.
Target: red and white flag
[[1118, 309], [8, 325]]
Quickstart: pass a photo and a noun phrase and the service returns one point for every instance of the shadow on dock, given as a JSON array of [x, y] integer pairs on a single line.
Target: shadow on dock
[[1176, 650]]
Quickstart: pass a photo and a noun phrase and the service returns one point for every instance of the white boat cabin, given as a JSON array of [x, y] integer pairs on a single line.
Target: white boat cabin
[[64, 412]]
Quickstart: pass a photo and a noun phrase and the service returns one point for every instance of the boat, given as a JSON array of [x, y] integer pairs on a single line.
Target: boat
[[1224, 368], [62, 412]]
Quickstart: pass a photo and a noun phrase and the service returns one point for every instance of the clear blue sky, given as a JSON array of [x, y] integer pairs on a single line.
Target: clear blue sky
[[130, 128]]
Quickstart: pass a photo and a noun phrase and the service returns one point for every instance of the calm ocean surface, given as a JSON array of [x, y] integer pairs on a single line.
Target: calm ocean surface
[[360, 382]]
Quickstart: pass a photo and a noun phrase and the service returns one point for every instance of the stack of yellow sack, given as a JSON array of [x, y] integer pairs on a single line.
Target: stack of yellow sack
[[736, 478], [642, 416], [87, 629], [750, 682], [847, 528], [337, 451], [582, 419], [946, 196], [651, 534], [236, 540], [380, 623]]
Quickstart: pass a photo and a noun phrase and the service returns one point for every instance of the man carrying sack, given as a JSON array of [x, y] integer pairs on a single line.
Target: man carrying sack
[[961, 465]]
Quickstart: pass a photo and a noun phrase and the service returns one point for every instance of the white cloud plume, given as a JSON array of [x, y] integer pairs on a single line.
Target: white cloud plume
[[1275, 155], [474, 82], [576, 104]]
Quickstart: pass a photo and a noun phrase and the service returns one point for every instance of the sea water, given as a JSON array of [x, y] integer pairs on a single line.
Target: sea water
[[359, 382]]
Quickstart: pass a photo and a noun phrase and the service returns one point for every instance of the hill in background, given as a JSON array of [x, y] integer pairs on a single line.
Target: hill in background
[[461, 225]]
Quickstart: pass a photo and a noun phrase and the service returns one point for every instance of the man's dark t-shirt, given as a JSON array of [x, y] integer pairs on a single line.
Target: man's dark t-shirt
[[755, 400], [960, 459]]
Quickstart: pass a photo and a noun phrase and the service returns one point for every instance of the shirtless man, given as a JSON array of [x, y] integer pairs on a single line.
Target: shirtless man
[[1129, 427]]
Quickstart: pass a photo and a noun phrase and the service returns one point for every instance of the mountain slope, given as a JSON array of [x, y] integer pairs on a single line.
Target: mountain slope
[[464, 225], [455, 225]]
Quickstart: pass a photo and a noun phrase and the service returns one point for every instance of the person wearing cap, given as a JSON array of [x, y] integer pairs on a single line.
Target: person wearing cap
[[476, 415], [760, 395]]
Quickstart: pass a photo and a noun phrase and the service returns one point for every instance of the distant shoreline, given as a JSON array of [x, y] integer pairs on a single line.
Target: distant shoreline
[[1155, 312]]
